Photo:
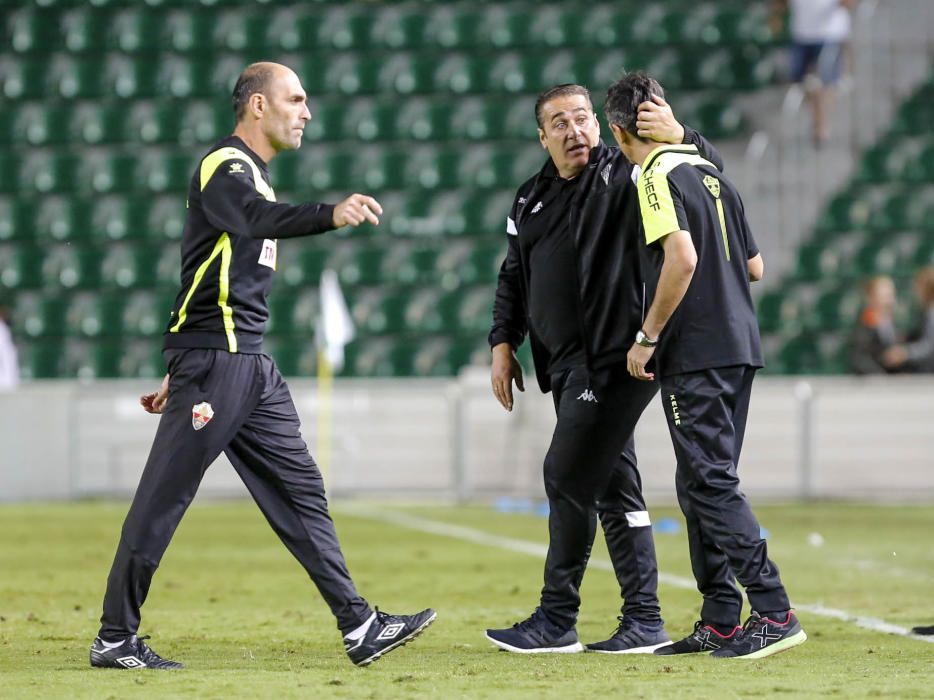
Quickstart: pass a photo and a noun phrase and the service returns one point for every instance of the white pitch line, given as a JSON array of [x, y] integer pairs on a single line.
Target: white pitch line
[[468, 534]]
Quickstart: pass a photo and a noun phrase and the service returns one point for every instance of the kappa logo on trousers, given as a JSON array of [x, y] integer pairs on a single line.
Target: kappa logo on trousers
[[588, 396]]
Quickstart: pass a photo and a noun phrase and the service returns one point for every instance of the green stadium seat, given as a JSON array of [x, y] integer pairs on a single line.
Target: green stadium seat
[[186, 77], [370, 120], [364, 268], [164, 171], [303, 268], [345, 29], [462, 73], [123, 76], [20, 265], [323, 168], [104, 172], [375, 168], [407, 73], [17, 215], [327, 119], [453, 27], [418, 266], [378, 311], [430, 358], [76, 77], [165, 219], [129, 266], [746, 24], [147, 313], [61, 218], [23, 77], [92, 314], [477, 119], [352, 74], [141, 359], [48, 171], [433, 167], [838, 308], [84, 29], [556, 26], [134, 30], [38, 316], [505, 27], [400, 28], [424, 120], [476, 310], [184, 30], [34, 124], [31, 29], [71, 267], [421, 311], [39, 359], [169, 267], [93, 123]]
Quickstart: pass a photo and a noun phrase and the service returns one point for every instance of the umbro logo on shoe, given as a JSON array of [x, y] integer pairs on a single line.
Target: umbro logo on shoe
[[391, 631], [130, 662], [588, 396]]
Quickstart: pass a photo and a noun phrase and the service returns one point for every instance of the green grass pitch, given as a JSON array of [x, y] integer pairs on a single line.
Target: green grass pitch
[[231, 603]]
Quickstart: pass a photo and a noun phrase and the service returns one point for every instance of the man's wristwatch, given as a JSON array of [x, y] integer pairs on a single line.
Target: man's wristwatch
[[644, 340]]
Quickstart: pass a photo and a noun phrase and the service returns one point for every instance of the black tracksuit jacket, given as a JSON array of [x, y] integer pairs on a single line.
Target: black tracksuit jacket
[[604, 221]]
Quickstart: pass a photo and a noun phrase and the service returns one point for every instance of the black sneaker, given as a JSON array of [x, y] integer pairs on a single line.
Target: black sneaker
[[633, 637], [763, 637], [385, 633], [133, 653], [703, 638], [536, 635]]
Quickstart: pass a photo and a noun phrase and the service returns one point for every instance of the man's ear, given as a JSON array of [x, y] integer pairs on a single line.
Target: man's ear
[[541, 138], [257, 104]]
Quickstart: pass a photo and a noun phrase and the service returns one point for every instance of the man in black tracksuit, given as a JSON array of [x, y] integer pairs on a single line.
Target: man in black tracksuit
[[223, 394], [701, 257], [571, 282]]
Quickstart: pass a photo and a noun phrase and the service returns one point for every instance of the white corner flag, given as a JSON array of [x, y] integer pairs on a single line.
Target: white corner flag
[[333, 331], [335, 327]]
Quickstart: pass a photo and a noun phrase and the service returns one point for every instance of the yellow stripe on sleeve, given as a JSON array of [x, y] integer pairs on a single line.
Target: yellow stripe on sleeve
[[658, 208]]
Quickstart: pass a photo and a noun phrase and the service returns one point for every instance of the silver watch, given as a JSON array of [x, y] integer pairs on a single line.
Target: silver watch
[[644, 340]]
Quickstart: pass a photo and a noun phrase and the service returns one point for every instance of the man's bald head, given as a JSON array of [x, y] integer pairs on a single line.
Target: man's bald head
[[256, 77]]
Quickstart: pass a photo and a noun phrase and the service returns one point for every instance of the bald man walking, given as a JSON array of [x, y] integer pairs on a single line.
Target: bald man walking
[[222, 393]]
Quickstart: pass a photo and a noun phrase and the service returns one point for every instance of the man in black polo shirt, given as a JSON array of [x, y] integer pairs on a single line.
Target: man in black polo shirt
[[702, 333], [571, 283], [222, 393]]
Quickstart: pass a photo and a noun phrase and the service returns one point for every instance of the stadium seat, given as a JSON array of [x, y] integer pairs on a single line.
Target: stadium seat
[[127, 266], [164, 171], [84, 28], [23, 77], [105, 171], [17, 215], [39, 316], [424, 120], [141, 359], [556, 26], [20, 265], [135, 29], [407, 73], [147, 313], [370, 120], [48, 172], [377, 311], [462, 73], [400, 28], [39, 359], [453, 27], [185, 29], [345, 29], [91, 314], [60, 218], [34, 123], [94, 122], [169, 267], [71, 267], [476, 310]]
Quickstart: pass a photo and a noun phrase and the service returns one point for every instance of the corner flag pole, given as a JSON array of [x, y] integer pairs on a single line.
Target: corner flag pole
[[335, 329]]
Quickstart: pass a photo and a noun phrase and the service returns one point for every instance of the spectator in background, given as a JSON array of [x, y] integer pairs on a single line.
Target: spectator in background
[[819, 31], [875, 330], [917, 353], [9, 364]]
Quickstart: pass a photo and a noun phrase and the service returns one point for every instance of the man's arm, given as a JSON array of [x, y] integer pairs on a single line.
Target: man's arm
[[673, 282], [756, 267], [656, 121], [509, 323], [232, 203]]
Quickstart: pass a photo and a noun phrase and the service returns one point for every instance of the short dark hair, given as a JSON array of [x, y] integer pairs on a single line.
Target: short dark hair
[[564, 90], [254, 78], [624, 97]]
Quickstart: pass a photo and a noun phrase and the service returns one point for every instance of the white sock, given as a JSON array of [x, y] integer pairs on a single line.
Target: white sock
[[361, 630]]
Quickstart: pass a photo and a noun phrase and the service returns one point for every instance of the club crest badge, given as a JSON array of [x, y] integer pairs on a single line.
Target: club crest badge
[[712, 184], [201, 415]]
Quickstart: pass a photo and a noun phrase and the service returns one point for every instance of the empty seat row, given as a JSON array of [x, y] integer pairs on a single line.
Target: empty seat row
[[407, 73], [294, 26]]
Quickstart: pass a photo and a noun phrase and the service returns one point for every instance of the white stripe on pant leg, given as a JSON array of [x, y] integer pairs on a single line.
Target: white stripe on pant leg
[[638, 518]]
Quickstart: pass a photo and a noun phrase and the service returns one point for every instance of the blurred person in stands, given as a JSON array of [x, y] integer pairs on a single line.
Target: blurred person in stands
[[9, 362], [874, 332], [916, 354], [571, 284], [223, 393], [819, 32], [701, 335]]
